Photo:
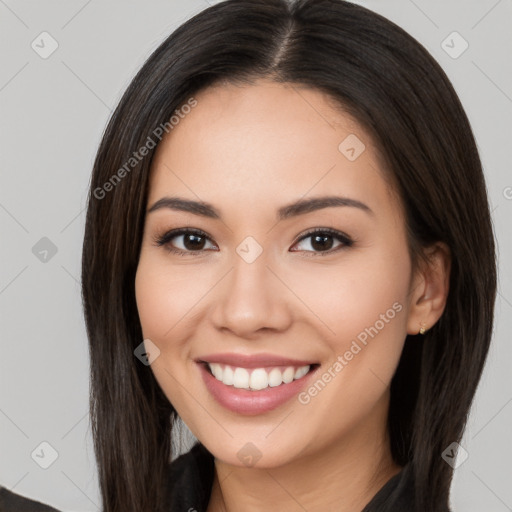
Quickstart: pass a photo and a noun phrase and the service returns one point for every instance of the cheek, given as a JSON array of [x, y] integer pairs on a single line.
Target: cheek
[[152, 303], [164, 296], [163, 301], [361, 291], [365, 304]]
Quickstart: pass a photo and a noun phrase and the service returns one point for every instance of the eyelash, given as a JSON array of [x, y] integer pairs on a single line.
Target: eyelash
[[164, 239]]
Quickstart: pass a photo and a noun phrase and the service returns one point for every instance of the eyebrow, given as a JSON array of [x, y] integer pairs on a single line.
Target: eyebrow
[[294, 209]]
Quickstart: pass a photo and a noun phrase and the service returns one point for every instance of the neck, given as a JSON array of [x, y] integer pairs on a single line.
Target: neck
[[343, 476]]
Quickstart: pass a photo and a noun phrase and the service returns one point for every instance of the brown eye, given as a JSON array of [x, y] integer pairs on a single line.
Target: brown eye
[[193, 242], [183, 241], [323, 240]]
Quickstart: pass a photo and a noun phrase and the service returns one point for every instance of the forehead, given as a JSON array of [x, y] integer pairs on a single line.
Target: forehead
[[266, 142]]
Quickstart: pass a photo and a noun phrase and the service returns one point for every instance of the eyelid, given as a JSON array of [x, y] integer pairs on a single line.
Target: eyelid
[[164, 239], [329, 231], [346, 241]]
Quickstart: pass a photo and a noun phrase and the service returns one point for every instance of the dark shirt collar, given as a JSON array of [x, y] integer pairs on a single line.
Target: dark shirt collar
[[191, 476]]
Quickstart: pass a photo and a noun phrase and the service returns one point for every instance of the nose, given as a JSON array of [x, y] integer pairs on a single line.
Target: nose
[[252, 299]]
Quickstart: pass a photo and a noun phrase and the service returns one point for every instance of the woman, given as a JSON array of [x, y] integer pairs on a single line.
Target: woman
[[288, 245]]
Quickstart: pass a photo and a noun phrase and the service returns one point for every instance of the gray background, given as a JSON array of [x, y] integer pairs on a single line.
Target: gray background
[[53, 112]]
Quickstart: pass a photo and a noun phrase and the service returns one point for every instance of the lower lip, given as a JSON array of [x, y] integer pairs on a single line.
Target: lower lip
[[251, 403]]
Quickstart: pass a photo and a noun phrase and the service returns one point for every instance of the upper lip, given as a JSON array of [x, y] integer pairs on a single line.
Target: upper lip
[[252, 361]]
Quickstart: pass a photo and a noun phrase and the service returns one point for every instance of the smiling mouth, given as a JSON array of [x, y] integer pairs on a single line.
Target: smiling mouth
[[257, 379]]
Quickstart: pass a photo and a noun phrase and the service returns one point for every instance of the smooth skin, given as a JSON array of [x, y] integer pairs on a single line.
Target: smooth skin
[[248, 151]]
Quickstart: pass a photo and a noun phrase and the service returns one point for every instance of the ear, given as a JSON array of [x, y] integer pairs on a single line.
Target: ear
[[429, 289]]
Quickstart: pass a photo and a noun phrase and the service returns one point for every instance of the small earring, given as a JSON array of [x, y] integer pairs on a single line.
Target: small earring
[[422, 328]]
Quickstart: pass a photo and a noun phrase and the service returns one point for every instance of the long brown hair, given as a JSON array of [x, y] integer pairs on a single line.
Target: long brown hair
[[383, 77]]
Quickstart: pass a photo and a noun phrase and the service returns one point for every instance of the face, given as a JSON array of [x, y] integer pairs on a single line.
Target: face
[[279, 329]]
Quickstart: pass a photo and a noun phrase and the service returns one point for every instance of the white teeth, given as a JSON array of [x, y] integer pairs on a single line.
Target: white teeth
[[299, 373], [275, 377], [259, 378], [216, 370], [227, 376], [288, 375], [241, 378]]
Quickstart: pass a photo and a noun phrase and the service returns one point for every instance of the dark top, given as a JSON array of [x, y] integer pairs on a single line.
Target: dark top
[[193, 472], [190, 479]]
